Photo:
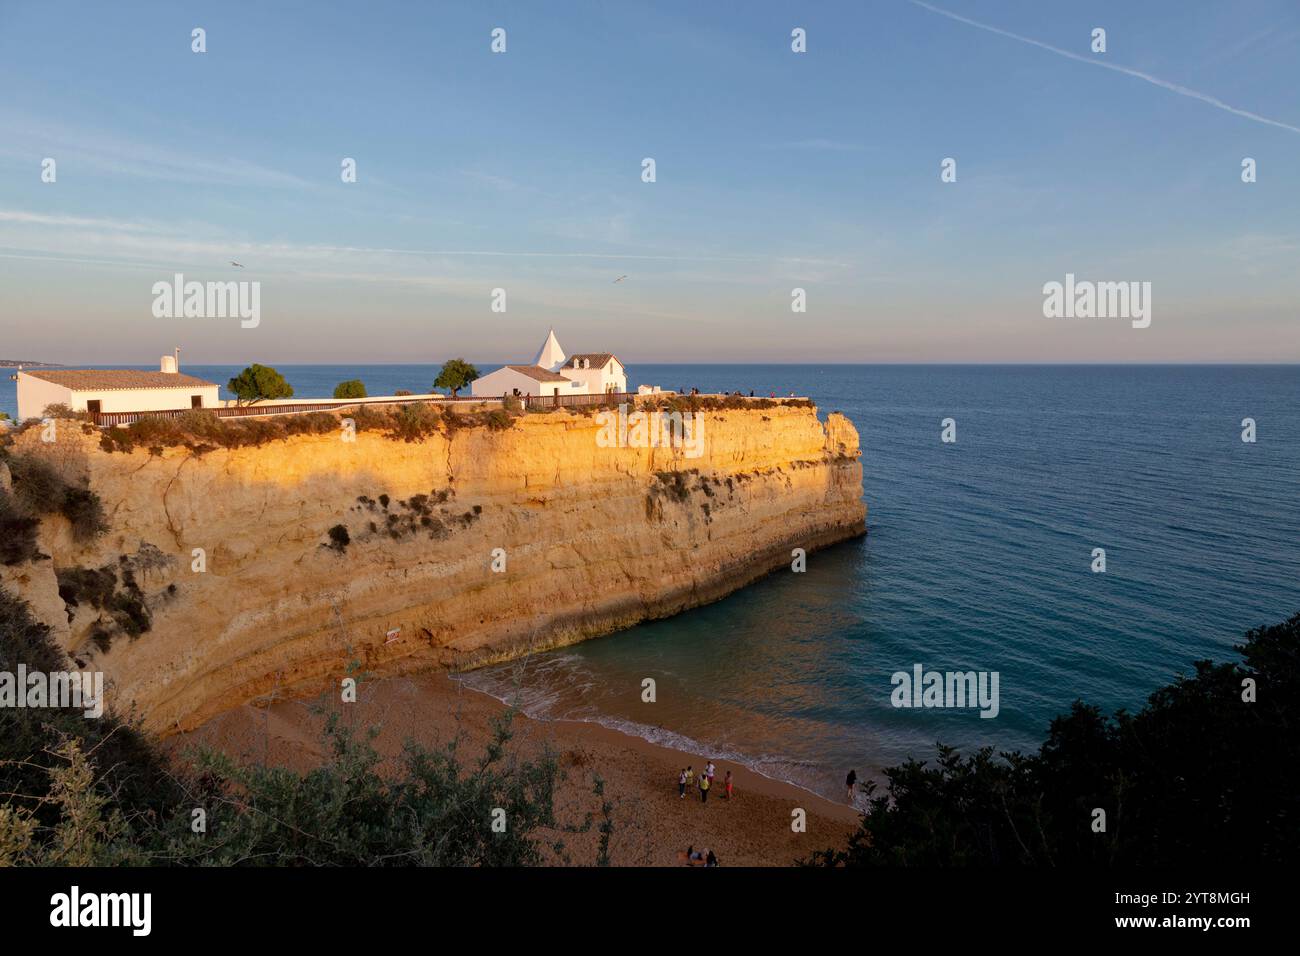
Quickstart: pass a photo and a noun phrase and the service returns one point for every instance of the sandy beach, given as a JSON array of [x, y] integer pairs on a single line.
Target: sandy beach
[[652, 823]]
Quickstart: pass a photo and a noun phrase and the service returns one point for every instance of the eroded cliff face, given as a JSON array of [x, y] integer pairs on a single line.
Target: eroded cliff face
[[593, 539]]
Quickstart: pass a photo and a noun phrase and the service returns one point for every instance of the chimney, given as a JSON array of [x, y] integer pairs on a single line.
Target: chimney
[[168, 365], [177, 353]]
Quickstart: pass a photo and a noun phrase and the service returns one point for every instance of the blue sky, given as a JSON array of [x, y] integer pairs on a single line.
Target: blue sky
[[522, 170]]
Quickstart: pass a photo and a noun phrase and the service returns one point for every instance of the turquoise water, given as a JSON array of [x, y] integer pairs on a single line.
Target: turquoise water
[[977, 558]]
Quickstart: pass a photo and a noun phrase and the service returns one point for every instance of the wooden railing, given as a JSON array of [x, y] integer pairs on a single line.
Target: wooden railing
[[609, 399], [579, 401], [108, 419]]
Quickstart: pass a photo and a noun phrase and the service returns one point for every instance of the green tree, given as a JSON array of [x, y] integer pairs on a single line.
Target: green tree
[[258, 382], [352, 388], [1205, 773], [455, 375], [79, 792]]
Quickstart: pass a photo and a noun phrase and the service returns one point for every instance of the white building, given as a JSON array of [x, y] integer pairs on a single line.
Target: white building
[[599, 372], [113, 390], [523, 380], [586, 373]]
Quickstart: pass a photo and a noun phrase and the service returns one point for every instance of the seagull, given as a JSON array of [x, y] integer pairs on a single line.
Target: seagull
[[236, 264], [620, 279]]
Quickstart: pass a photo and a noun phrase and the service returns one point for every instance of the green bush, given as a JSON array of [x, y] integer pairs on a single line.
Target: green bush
[[40, 489], [257, 383], [98, 588], [45, 816], [312, 423], [65, 413], [339, 538], [1197, 777], [17, 532], [371, 418], [352, 388], [84, 512], [77, 792], [201, 431], [37, 485], [455, 375], [414, 422]]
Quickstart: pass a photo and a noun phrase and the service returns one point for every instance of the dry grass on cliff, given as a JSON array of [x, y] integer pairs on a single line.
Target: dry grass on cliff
[[41, 488], [202, 431]]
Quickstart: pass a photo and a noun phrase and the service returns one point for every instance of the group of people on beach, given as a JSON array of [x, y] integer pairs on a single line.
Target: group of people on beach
[[703, 782], [694, 857]]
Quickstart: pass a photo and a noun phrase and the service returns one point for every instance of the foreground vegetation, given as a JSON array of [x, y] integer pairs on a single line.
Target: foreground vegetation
[[1198, 775], [41, 489], [78, 792], [201, 431]]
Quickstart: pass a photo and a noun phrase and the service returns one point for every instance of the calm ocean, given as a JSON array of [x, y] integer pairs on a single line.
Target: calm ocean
[[977, 558]]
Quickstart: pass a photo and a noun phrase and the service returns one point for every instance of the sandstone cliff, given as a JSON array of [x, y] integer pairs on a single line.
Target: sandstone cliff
[[593, 539]]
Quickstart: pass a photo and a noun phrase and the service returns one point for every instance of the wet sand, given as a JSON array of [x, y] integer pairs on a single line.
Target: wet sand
[[652, 824]]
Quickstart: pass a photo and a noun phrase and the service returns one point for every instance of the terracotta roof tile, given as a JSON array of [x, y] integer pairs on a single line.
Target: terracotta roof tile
[[597, 359], [537, 373], [112, 379]]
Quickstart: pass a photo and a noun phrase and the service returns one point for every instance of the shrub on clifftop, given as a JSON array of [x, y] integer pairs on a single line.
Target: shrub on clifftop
[[352, 388], [96, 792], [1204, 773], [455, 375], [258, 383], [40, 489], [17, 532]]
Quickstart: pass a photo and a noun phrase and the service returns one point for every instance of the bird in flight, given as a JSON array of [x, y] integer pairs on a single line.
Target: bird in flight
[[236, 264], [620, 279]]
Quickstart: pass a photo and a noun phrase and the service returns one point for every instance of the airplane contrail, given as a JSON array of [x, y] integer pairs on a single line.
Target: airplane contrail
[[1091, 61]]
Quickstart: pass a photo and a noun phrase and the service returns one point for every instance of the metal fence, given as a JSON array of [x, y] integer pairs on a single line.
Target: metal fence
[[572, 401], [608, 399], [108, 419]]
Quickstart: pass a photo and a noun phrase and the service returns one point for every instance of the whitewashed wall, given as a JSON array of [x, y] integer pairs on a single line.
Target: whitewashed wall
[[35, 394]]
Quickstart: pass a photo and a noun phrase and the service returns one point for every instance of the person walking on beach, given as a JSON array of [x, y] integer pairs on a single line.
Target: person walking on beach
[[850, 781], [690, 776], [709, 771], [704, 788], [726, 783], [681, 784]]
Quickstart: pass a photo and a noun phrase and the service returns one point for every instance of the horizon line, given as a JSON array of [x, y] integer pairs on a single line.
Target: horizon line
[[967, 364]]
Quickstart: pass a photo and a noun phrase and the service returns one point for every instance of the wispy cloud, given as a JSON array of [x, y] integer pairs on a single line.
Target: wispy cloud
[[821, 145], [1103, 64], [121, 156], [97, 241], [42, 219], [503, 183]]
